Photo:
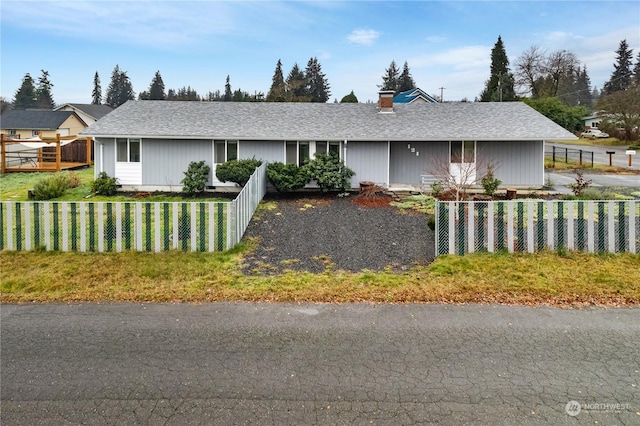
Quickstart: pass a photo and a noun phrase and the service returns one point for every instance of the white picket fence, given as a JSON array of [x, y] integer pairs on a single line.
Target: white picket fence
[[138, 226], [528, 226]]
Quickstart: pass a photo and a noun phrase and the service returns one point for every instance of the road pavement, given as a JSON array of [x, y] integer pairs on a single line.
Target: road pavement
[[278, 364], [600, 155]]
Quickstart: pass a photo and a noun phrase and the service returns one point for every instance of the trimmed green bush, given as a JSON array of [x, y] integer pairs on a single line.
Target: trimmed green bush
[[51, 187], [330, 173], [489, 181], [237, 171], [104, 185], [287, 177], [195, 178]]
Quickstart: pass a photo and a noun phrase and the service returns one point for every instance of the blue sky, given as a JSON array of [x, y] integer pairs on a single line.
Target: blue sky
[[199, 43]]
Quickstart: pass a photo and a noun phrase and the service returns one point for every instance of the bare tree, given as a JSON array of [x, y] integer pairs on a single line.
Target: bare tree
[[529, 69], [543, 74]]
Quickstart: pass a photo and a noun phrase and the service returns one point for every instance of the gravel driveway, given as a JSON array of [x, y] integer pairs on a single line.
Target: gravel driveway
[[311, 233]]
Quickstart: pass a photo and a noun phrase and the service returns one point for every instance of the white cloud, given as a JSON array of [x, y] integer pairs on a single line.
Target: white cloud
[[364, 37]]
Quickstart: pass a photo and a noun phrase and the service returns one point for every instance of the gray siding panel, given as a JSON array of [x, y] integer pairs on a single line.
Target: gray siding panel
[[267, 151], [369, 160], [109, 152], [165, 161], [410, 160], [516, 163]]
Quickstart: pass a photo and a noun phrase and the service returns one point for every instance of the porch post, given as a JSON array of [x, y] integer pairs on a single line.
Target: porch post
[[58, 152], [4, 154], [88, 162]]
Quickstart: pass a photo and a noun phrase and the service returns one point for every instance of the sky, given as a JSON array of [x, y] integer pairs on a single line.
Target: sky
[[447, 45]]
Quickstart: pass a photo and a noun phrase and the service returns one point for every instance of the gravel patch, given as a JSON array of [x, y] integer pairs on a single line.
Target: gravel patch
[[313, 233]]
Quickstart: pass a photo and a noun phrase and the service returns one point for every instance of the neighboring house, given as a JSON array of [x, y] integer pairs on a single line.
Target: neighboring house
[[29, 123], [149, 144], [413, 96], [592, 121], [89, 113]]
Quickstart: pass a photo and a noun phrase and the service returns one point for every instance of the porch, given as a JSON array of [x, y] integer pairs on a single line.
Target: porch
[[44, 154]]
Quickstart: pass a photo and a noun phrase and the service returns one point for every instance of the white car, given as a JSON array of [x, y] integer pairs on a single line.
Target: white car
[[594, 133]]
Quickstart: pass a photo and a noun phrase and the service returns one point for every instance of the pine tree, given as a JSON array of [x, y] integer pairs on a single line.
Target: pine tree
[[25, 96], [405, 81], [636, 71], [120, 89], [296, 85], [96, 95], [317, 84], [156, 89], [583, 89], [350, 98], [499, 87], [278, 88], [228, 95], [43, 91], [390, 78], [621, 76]]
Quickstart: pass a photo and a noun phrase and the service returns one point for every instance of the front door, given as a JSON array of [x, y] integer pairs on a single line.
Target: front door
[[223, 151], [462, 165]]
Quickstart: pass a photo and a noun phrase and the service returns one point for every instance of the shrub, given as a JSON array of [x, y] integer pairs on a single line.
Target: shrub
[[51, 187], [489, 181], [329, 172], [437, 189], [195, 178], [580, 185], [73, 179], [237, 171], [104, 185], [287, 177]]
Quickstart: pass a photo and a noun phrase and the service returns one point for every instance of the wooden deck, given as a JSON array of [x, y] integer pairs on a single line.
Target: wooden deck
[[46, 158], [34, 166]]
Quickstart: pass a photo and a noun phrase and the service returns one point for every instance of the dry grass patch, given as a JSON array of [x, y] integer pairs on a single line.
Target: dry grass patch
[[574, 279]]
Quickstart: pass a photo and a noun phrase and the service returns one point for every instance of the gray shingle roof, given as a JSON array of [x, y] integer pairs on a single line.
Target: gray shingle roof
[[95, 111], [34, 119], [313, 121]]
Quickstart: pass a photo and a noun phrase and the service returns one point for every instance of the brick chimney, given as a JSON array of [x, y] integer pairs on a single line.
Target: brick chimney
[[385, 100]]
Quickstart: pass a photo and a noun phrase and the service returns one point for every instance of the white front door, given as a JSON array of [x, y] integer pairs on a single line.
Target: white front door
[[223, 151], [462, 166]]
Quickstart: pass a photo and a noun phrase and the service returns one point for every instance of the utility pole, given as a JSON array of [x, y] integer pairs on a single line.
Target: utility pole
[[442, 94]]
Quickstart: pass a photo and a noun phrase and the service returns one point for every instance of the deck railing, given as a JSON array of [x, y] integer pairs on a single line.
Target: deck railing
[[530, 226]]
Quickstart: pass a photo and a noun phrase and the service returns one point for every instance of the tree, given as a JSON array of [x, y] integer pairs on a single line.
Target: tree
[[278, 88], [405, 81], [96, 95], [390, 78], [4, 105], [530, 70], [554, 74], [227, 90], [317, 85], [621, 76], [499, 87], [350, 98], [621, 109], [156, 89], [583, 89], [120, 89], [43, 91], [296, 85], [559, 69], [25, 96], [636, 72], [569, 117]]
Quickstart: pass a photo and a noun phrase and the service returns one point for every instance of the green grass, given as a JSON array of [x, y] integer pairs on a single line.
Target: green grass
[[561, 279]]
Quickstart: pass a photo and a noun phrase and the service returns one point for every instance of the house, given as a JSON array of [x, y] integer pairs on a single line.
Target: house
[[31, 123], [148, 145], [89, 113], [413, 95], [593, 121]]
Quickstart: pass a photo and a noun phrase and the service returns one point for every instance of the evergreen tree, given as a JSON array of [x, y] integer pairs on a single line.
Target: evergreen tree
[[350, 98], [583, 89], [296, 85], [317, 84], [25, 96], [156, 89], [96, 95], [278, 88], [405, 81], [621, 76], [120, 89], [390, 78], [636, 71], [499, 87], [43, 91], [227, 91]]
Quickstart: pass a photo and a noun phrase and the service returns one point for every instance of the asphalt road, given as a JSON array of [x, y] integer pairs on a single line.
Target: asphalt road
[[318, 364], [600, 155]]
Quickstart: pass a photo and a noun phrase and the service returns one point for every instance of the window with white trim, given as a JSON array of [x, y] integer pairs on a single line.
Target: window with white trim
[[224, 150], [296, 152], [330, 147], [463, 152], [35, 133], [127, 150]]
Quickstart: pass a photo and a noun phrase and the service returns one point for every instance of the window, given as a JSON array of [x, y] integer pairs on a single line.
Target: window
[[13, 132], [296, 152], [34, 132], [224, 151], [328, 147], [463, 152], [127, 150]]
